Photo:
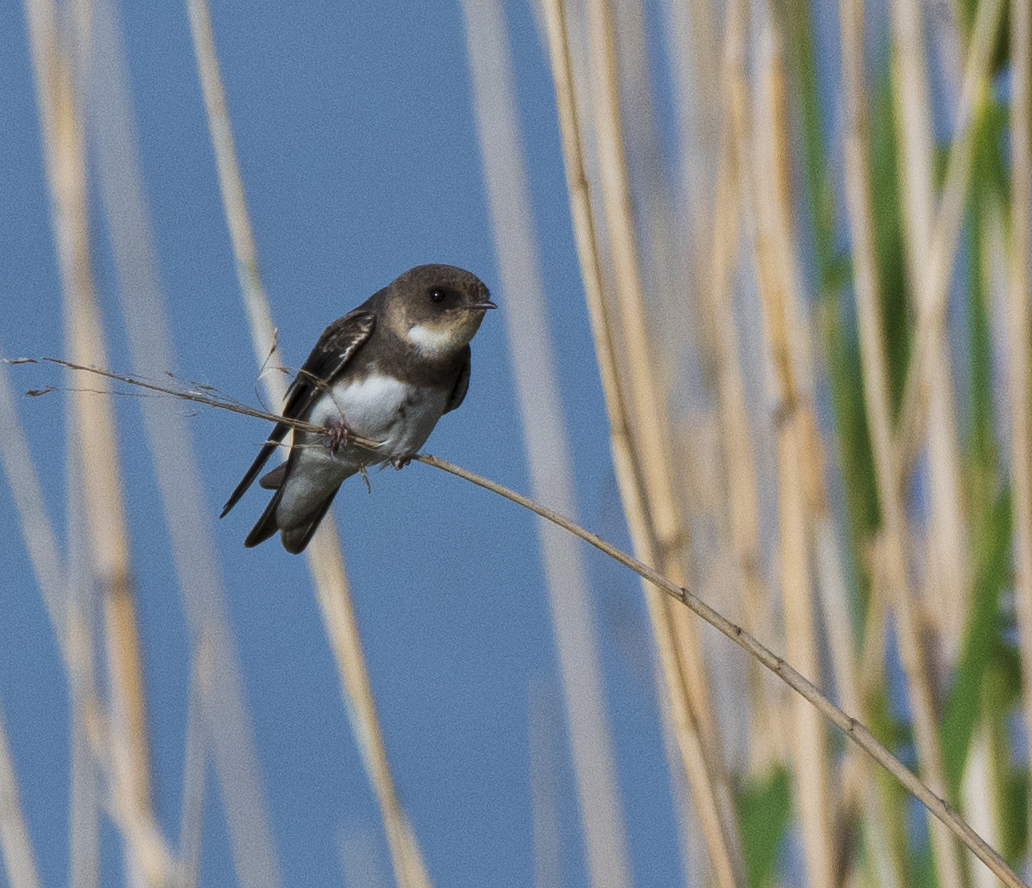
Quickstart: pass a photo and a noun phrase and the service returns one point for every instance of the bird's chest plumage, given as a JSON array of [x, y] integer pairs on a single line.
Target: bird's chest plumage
[[379, 407]]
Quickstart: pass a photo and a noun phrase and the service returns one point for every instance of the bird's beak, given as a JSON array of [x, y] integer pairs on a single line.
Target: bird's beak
[[483, 306]]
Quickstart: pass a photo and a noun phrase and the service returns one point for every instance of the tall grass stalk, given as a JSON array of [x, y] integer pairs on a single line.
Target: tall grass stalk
[[721, 838], [875, 365], [922, 561], [195, 764], [93, 440], [188, 517], [15, 847], [1019, 339], [324, 556], [651, 434], [548, 450], [784, 323]]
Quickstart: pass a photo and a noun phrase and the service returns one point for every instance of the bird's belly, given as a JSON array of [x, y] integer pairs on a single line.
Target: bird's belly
[[380, 408]]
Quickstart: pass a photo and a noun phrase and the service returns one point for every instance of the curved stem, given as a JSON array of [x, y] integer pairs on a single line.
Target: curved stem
[[784, 670]]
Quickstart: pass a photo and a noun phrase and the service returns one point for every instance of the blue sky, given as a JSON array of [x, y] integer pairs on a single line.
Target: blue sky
[[357, 143]]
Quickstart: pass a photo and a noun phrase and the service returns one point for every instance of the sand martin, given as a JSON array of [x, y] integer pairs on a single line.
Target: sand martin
[[385, 372]]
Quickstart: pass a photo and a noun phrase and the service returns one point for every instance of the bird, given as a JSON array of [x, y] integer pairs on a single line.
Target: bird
[[385, 373]]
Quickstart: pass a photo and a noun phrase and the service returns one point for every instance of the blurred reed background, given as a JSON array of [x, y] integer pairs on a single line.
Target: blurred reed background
[[804, 238]]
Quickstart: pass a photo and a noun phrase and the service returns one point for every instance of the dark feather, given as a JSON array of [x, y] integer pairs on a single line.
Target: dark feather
[[458, 392], [296, 540], [273, 480], [265, 526]]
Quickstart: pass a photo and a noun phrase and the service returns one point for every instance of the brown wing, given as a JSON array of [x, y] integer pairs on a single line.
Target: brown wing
[[332, 353]]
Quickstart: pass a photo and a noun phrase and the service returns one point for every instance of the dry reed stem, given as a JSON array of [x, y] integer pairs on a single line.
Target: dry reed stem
[[94, 439], [627, 472], [325, 561], [95, 445], [50, 576], [547, 445], [874, 362], [932, 283], [694, 51], [739, 476], [786, 337], [947, 556], [588, 255], [891, 576], [720, 250], [695, 858], [977, 790], [734, 164], [912, 105], [721, 837], [187, 515], [650, 415], [930, 257], [327, 566], [1019, 337], [780, 667], [891, 580], [862, 795], [735, 430], [85, 741], [666, 273], [234, 203], [833, 595], [83, 805], [18, 857], [652, 432]]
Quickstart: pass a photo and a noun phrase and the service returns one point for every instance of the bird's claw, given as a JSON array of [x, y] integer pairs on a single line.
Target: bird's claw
[[337, 435], [399, 462]]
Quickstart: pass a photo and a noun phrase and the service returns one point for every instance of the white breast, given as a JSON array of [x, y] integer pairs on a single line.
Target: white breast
[[383, 409]]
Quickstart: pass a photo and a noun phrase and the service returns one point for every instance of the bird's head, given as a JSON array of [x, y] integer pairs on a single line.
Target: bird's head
[[436, 308]]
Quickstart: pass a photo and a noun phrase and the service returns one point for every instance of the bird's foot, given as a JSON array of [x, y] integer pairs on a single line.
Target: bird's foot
[[337, 435], [399, 462]]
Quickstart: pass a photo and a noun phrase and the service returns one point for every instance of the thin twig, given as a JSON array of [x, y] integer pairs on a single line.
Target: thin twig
[[784, 670], [854, 729], [207, 397]]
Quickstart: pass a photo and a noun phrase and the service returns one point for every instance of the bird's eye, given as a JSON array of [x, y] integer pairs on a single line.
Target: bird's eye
[[438, 296]]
